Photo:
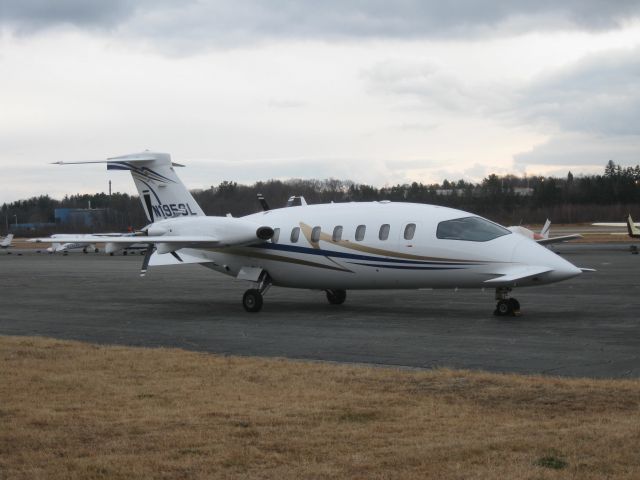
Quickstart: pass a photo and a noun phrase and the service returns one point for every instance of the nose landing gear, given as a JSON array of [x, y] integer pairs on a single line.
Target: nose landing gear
[[252, 298], [506, 306]]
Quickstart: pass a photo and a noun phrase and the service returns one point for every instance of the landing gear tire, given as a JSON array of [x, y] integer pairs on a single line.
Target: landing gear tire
[[515, 305], [252, 300], [507, 307], [336, 297], [503, 308]]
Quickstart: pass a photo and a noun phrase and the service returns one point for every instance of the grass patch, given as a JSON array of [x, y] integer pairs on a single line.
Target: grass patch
[[74, 411], [551, 461]]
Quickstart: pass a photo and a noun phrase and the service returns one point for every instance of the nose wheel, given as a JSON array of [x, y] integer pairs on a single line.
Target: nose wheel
[[506, 307], [252, 299]]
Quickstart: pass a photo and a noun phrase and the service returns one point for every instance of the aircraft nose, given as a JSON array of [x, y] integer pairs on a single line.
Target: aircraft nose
[[530, 252]]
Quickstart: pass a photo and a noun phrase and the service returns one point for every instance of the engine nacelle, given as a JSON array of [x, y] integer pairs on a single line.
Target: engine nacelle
[[224, 231]]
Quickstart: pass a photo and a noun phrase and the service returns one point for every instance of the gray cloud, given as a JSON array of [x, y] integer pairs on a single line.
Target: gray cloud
[[592, 109], [589, 107], [431, 87], [25, 16], [601, 95], [221, 22], [582, 150]]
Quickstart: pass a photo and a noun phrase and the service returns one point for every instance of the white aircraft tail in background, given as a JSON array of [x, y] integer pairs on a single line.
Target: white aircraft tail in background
[[543, 237], [332, 247], [632, 228], [6, 241]]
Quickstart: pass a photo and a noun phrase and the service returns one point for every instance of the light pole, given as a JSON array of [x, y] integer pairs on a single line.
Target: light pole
[[16, 217]]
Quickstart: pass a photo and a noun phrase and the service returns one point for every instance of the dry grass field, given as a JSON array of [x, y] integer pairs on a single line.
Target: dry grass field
[[71, 410]]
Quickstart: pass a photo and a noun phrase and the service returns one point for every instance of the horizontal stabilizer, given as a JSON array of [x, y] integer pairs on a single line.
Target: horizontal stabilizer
[[517, 274]]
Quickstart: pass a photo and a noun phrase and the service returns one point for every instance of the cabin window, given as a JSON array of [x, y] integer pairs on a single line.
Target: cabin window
[[383, 234], [337, 234], [276, 235], [471, 229], [409, 231], [315, 234], [295, 234], [360, 231]]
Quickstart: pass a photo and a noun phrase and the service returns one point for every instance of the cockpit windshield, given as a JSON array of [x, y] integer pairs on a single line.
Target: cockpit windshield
[[471, 229]]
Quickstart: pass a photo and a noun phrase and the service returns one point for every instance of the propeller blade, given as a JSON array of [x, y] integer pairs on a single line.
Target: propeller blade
[[147, 256], [263, 202]]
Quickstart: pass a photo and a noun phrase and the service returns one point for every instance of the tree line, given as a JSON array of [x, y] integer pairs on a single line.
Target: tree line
[[507, 199]]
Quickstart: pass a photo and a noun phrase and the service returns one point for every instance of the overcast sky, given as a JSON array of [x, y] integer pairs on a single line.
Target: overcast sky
[[374, 91]]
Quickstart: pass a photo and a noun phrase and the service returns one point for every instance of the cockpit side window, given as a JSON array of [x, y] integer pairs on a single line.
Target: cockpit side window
[[471, 229]]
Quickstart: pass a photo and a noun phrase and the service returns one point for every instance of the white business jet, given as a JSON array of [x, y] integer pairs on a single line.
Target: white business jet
[[333, 247], [77, 243], [66, 242]]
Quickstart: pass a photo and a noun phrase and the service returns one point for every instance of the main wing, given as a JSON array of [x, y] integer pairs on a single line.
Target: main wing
[[191, 240]]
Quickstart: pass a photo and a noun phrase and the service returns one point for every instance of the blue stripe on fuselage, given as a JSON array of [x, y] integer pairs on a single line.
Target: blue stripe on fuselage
[[351, 256]]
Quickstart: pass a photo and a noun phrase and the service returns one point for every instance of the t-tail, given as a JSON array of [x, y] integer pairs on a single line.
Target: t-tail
[[544, 233], [162, 193], [6, 241], [634, 231]]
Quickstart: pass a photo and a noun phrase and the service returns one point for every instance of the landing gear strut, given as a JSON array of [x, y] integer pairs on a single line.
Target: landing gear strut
[[336, 297], [506, 306], [252, 298]]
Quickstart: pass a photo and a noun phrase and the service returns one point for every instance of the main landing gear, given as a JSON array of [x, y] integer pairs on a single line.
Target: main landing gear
[[506, 306], [336, 297], [252, 298]]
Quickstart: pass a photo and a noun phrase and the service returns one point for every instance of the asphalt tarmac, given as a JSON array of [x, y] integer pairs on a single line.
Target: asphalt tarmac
[[585, 327]]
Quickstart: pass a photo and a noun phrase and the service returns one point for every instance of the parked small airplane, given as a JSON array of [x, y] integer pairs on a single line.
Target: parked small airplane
[[543, 237], [6, 241], [632, 228], [333, 247], [70, 242]]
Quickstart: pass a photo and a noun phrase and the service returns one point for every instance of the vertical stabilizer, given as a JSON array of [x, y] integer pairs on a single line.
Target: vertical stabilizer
[[634, 231], [6, 241], [162, 193], [544, 233]]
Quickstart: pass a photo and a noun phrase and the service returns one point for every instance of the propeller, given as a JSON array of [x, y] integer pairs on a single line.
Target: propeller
[[147, 256], [263, 202]]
